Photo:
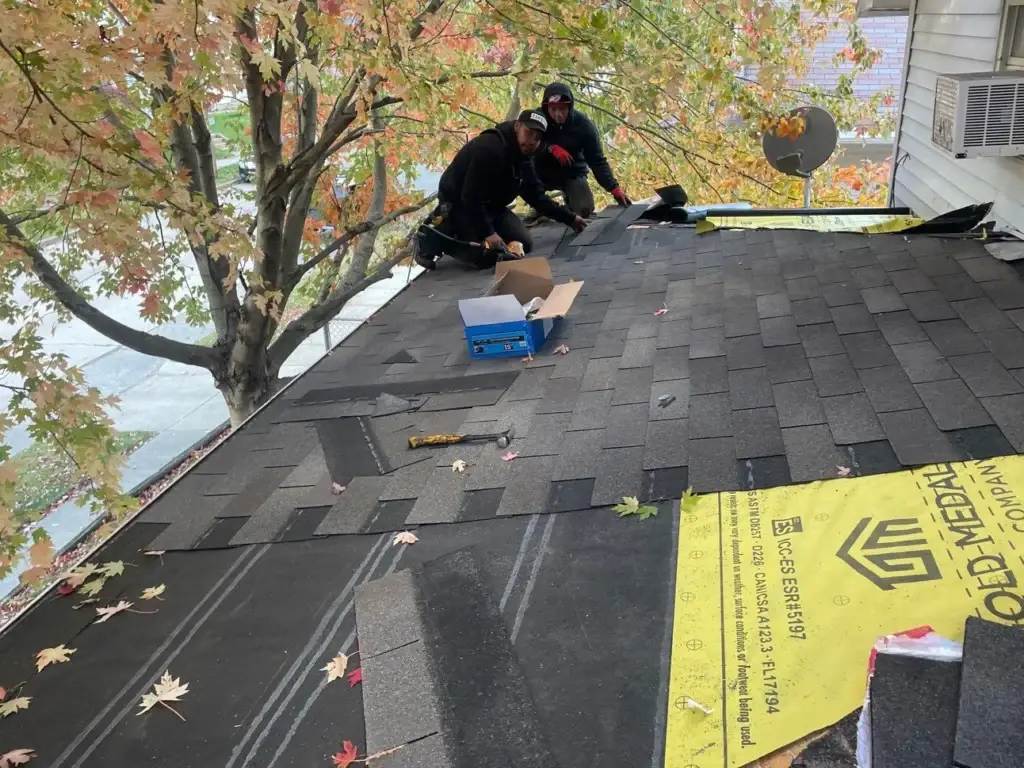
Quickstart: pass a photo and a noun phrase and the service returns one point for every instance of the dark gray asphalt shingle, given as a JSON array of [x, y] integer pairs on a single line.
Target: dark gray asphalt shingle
[[578, 455], [632, 385], [811, 311], [667, 444], [669, 400], [354, 506], [821, 339], [618, 475], [953, 337], [626, 425], [1008, 414], [852, 318], [787, 364], [889, 389], [852, 419], [923, 362], [841, 294], [870, 277], [868, 350], [797, 404], [639, 353], [560, 395], [985, 375], [984, 268], [708, 375], [591, 411], [707, 342], [952, 405], [811, 453], [900, 328], [1007, 345], [670, 364], [743, 352], [926, 306], [1005, 294], [756, 433], [750, 388], [883, 298], [528, 486], [915, 438], [779, 331], [982, 315], [911, 281], [834, 375], [710, 416], [713, 465], [672, 333], [773, 305], [803, 288]]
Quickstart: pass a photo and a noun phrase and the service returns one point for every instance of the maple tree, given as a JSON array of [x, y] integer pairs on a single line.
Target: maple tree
[[108, 162]]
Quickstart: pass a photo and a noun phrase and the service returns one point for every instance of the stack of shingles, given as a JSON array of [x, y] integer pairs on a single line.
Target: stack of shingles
[[935, 714]]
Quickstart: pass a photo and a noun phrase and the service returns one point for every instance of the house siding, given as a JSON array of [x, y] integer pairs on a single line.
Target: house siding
[[949, 37]]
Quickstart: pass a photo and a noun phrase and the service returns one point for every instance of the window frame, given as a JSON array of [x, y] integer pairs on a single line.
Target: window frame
[[1012, 21]]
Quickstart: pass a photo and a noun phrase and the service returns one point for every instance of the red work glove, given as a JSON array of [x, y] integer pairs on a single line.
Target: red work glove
[[620, 197], [560, 154]]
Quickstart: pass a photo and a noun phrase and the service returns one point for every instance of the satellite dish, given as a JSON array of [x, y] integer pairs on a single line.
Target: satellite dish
[[801, 155]]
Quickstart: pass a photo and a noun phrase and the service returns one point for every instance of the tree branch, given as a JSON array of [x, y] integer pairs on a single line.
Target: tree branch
[[352, 233], [70, 299], [318, 316]]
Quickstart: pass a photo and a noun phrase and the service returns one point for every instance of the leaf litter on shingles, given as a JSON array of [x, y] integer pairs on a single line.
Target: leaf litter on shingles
[[688, 503], [92, 588], [405, 537], [153, 593], [346, 757], [337, 489], [509, 455], [843, 471], [166, 689], [336, 667], [662, 311], [14, 705], [16, 757], [459, 465], [111, 610], [561, 349], [355, 677], [631, 506], [58, 655]]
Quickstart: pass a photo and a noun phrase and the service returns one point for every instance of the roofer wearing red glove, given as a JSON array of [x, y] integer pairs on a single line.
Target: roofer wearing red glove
[[485, 176], [572, 145]]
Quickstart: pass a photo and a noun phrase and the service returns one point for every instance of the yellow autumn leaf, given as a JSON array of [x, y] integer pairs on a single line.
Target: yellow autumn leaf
[[166, 689], [336, 667], [49, 656], [12, 706], [153, 593], [92, 588]]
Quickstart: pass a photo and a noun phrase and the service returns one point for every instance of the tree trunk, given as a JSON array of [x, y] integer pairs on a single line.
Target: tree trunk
[[364, 247], [244, 393]]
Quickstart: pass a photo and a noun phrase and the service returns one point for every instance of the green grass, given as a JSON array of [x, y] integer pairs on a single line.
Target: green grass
[[230, 125], [46, 474]]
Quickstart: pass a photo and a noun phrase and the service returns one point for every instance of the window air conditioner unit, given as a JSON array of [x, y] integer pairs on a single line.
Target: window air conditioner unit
[[979, 114]]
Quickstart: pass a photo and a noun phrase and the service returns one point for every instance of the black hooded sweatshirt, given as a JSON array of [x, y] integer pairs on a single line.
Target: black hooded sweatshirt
[[578, 136], [488, 173]]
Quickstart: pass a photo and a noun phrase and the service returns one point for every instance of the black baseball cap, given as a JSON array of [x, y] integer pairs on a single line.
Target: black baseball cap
[[533, 119]]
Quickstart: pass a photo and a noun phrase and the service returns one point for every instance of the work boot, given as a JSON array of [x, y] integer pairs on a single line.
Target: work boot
[[427, 262]]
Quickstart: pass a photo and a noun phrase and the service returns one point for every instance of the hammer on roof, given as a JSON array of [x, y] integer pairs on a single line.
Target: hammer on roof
[[425, 441]]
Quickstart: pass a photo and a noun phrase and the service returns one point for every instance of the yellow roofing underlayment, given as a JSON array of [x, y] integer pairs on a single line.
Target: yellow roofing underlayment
[[781, 593], [867, 224]]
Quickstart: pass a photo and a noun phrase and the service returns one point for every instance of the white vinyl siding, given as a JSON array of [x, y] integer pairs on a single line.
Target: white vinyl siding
[[948, 37]]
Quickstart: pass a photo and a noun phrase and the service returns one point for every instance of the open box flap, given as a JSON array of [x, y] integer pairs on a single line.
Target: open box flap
[[558, 302], [490, 310], [537, 266], [526, 279]]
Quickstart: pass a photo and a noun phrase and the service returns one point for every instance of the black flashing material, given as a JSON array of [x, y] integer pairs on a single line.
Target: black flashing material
[[913, 712], [988, 728], [497, 380], [611, 233]]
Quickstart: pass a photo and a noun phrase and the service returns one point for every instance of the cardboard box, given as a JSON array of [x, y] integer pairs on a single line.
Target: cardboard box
[[496, 325]]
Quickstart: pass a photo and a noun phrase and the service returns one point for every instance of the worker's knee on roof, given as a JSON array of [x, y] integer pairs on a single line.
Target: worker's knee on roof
[[527, 241]]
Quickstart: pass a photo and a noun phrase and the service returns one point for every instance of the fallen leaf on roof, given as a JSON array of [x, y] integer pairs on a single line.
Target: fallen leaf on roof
[[639, 261], [843, 471], [111, 610], [84, 603], [49, 656], [662, 311], [76, 576], [336, 667], [689, 501], [153, 593], [65, 589], [509, 455], [337, 489], [92, 588], [631, 506], [16, 757], [528, 358], [3, 693], [346, 757], [458, 466], [166, 689], [405, 537], [664, 401], [14, 705], [355, 677], [113, 568], [687, 703], [156, 552], [561, 349]]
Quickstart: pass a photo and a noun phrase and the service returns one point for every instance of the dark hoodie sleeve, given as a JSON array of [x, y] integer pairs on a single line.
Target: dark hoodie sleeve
[[476, 189], [594, 154], [532, 191]]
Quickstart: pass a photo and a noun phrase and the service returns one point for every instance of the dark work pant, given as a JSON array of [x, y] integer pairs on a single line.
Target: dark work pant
[[578, 196], [508, 226]]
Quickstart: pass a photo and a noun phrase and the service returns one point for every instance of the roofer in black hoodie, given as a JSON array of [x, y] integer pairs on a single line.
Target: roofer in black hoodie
[[487, 174], [572, 145]]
